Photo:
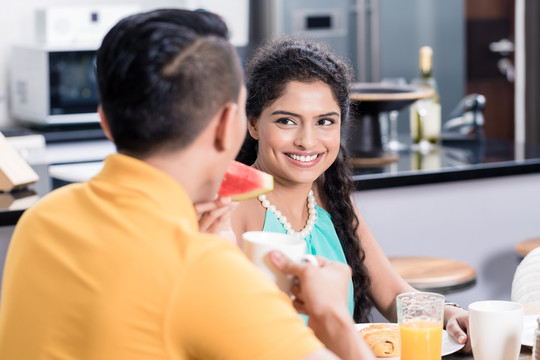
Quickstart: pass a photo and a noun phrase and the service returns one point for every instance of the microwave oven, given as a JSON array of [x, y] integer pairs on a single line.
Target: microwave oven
[[53, 85]]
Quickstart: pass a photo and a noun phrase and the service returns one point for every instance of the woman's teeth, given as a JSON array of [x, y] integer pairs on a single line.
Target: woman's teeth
[[303, 158]]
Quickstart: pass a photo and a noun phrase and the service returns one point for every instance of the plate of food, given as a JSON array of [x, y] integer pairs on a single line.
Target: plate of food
[[529, 326], [384, 340]]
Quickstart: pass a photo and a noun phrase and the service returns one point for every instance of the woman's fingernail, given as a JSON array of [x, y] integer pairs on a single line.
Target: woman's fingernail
[[462, 339]]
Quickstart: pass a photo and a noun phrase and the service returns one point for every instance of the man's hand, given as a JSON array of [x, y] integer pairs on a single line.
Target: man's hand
[[321, 293], [318, 288], [215, 217]]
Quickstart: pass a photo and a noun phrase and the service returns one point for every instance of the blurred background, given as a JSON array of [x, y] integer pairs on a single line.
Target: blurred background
[[457, 201], [476, 47]]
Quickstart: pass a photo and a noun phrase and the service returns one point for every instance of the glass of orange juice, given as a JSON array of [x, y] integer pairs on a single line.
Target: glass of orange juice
[[420, 318]]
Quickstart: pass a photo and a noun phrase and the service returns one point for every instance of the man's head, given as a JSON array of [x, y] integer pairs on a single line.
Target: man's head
[[162, 75]]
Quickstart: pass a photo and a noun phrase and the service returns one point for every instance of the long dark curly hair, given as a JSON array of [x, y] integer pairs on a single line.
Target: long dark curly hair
[[268, 71]]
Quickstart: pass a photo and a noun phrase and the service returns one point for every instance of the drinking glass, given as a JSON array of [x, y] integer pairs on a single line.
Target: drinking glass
[[420, 318], [393, 143]]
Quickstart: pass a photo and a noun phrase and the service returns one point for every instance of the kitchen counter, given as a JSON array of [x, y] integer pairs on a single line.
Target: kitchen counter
[[13, 204], [449, 162]]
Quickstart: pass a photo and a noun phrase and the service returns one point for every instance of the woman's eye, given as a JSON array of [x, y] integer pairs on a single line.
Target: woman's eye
[[285, 121], [326, 121]]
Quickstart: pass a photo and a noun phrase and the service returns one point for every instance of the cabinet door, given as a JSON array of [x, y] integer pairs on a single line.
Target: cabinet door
[[490, 62]]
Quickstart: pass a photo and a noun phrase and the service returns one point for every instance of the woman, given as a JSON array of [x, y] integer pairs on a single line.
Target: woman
[[298, 104]]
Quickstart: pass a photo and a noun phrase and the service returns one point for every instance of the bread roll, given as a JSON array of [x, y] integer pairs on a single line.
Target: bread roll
[[383, 339]]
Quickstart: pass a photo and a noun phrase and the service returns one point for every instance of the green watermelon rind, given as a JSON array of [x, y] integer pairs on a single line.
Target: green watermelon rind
[[251, 195]]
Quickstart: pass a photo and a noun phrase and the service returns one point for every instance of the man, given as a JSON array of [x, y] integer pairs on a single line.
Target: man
[[116, 268]]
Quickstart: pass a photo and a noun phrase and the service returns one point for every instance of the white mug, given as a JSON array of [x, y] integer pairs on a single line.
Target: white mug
[[258, 244], [495, 328]]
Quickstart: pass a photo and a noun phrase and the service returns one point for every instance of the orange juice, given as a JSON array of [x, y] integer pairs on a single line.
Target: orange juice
[[421, 340]]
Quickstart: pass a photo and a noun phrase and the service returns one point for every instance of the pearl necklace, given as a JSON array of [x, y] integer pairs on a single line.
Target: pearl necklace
[[311, 204]]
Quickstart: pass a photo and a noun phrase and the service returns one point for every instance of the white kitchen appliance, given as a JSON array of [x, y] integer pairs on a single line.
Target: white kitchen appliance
[[79, 24], [332, 22], [53, 84]]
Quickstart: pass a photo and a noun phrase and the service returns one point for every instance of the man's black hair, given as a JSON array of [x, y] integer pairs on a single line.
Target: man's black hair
[[162, 75]]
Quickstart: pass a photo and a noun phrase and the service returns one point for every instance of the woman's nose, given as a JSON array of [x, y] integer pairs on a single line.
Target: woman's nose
[[305, 137]]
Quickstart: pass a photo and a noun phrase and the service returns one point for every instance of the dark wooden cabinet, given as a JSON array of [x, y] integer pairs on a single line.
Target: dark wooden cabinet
[[487, 22]]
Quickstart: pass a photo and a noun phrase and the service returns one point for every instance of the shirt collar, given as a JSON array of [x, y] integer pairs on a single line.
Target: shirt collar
[[129, 172]]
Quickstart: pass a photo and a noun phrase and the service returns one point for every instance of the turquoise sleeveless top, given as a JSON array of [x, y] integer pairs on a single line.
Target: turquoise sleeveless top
[[322, 241]]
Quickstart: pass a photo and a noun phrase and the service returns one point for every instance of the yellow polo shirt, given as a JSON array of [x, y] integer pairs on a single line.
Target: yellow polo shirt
[[115, 268]]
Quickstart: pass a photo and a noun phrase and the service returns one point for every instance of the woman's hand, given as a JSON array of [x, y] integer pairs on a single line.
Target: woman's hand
[[457, 326], [215, 217]]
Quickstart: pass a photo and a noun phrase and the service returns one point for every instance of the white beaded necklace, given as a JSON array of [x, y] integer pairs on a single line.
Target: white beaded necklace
[[311, 204]]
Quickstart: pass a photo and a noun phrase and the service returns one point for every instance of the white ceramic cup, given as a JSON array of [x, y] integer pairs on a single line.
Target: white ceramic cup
[[495, 328], [258, 244]]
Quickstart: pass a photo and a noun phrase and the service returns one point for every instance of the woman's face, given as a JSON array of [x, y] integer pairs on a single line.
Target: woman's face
[[299, 133]]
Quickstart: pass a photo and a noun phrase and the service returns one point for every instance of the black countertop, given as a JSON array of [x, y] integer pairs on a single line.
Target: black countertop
[[449, 162], [14, 203]]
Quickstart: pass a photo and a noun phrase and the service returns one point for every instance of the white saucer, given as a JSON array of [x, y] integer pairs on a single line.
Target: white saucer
[[449, 344]]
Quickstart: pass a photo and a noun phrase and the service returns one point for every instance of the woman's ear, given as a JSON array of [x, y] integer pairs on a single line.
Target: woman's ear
[[104, 123], [252, 128]]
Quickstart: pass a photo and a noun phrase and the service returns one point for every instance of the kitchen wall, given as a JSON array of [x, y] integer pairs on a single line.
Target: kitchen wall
[[17, 26], [475, 221]]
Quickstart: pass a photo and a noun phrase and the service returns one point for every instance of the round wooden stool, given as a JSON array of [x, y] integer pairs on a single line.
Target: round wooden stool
[[435, 274], [524, 247]]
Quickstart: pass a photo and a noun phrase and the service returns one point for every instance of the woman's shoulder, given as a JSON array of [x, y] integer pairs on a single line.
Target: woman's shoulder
[[249, 204], [248, 215]]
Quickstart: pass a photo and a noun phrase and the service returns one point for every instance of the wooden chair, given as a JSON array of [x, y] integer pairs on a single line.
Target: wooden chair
[[435, 274]]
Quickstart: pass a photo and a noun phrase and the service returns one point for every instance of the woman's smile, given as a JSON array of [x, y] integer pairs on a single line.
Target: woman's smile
[[306, 160]]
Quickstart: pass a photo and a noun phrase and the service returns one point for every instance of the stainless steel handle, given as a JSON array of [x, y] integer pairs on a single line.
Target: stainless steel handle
[[368, 39], [507, 68], [503, 47]]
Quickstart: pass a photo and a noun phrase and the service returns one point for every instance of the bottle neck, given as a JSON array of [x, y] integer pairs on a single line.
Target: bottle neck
[[426, 73], [426, 62]]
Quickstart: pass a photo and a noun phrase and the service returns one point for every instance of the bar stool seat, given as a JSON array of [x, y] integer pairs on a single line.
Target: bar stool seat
[[524, 247], [435, 274]]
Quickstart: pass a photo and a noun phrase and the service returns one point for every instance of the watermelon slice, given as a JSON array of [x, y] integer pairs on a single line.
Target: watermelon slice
[[243, 182]]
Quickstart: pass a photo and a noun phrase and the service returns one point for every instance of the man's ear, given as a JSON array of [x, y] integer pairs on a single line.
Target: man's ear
[[252, 128], [104, 123], [224, 138]]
